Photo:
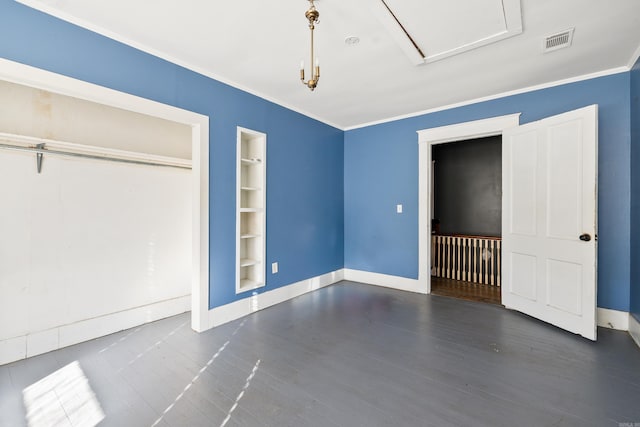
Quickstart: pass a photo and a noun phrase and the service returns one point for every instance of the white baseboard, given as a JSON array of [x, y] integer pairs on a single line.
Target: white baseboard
[[237, 309], [385, 280], [613, 319], [13, 349], [41, 342], [634, 329]]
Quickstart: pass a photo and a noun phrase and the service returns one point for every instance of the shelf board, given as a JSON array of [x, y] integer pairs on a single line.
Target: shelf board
[[246, 284], [249, 236], [250, 188], [246, 262], [250, 209], [251, 161]]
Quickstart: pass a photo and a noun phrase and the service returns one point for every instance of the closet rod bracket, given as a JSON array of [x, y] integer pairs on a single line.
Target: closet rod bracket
[[39, 157]]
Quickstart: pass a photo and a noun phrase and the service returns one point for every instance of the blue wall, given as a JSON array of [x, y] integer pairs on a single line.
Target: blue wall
[[322, 215], [304, 157], [635, 190], [382, 171]]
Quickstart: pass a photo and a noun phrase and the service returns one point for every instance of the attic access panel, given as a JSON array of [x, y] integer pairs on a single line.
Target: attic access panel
[[442, 29]]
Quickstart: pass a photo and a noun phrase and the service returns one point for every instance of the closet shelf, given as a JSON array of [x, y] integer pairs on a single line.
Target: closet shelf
[[247, 284], [252, 161], [246, 262]]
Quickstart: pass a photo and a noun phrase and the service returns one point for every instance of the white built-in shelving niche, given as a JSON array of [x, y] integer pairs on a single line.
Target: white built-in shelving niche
[[250, 211]]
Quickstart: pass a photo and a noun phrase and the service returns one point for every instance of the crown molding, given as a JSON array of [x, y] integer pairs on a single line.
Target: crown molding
[[38, 5], [583, 77], [49, 10]]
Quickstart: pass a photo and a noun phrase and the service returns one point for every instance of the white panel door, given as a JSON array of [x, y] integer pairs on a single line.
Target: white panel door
[[549, 220]]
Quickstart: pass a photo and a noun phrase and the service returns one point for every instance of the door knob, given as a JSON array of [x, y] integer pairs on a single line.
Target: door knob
[[585, 237]]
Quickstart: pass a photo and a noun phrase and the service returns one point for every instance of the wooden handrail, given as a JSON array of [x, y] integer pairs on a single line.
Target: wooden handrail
[[468, 236]]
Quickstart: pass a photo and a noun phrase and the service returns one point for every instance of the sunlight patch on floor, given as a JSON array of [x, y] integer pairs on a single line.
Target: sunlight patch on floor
[[63, 398]]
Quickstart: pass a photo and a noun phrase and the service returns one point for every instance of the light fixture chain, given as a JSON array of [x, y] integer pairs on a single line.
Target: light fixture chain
[[312, 16]]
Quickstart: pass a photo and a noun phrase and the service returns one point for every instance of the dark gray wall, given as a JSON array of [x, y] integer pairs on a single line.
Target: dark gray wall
[[468, 186]]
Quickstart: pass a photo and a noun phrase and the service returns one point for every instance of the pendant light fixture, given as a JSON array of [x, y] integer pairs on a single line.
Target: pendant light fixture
[[312, 16]]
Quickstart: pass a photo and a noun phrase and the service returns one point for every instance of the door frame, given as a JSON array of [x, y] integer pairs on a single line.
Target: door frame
[[427, 138], [26, 75]]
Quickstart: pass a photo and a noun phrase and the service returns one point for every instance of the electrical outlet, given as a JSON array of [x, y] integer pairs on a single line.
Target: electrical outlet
[[274, 267], [399, 208]]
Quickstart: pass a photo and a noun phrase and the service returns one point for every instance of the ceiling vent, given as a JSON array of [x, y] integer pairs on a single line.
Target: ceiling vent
[[558, 41]]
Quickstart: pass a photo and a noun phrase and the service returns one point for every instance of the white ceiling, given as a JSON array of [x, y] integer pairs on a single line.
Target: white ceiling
[[257, 46]]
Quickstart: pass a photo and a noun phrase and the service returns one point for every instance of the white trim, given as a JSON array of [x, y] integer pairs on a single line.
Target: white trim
[[613, 319], [384, 280], [634, 58], [13, 349], [27, 75], [634, 329], [260, 211], [467, 130], [200, 224], [41, 79], [237, 309], [584, 77], [62, 336], [50, 10], [426, 139]]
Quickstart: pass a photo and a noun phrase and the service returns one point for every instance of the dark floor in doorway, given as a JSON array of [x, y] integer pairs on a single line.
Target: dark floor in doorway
[[466, 290]]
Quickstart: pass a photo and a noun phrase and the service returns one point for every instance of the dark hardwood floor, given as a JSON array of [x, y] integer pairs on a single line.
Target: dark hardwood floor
[[465, 290], [346, 355]]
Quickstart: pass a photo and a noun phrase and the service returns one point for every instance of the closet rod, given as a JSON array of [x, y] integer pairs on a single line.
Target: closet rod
[[89, 156]]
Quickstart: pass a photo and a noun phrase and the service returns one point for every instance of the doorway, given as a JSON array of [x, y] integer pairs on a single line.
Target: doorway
[[427, 138], [549, 210], [466, 219]]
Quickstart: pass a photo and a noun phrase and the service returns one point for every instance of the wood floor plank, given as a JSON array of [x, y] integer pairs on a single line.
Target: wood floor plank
[[350, 355]]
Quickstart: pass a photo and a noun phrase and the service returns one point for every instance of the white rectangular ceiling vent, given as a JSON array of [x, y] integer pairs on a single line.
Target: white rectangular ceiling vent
[[558, 41]]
